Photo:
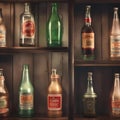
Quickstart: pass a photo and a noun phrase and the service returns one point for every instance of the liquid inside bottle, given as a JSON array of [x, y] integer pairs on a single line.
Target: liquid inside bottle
[[27, 27], [54, 98], [89, 99], [4, 97], [54, 30], [116, 97], [88, 37], [26, 94], [115, 37]]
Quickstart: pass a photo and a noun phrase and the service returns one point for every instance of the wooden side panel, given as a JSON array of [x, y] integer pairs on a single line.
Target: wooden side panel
[[18, 61]]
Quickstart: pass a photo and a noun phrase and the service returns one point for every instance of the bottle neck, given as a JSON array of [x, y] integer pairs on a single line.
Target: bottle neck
[[88, 17], [27, 8], [54, 8], [1, 16]]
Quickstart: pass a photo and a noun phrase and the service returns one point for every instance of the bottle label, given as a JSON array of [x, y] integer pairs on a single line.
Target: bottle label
[[3, 105], [54, 101], [2, 38], [116, 107], [28, 29], [89, 106], [115, 46], [26, 101], [88, 40]]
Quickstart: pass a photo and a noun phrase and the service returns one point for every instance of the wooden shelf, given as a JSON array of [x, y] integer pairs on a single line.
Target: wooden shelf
[[7, 50], [97, 63]]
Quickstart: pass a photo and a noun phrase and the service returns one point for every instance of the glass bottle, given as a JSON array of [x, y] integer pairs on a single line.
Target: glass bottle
[[26, 94], [27, 27], [89, 99], [116, 97], [4, 96], [2, 30], [54, 98], [54, 30], [115, 36], [88, 37]]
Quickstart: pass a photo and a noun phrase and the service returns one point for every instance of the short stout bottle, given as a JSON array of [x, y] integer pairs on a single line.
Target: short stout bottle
[[54, 28], [115, 36], [27, 27], [54, 98], [4, 97], [89, 99], [88, 37], [116, 97], [26, 94], [2, 30]]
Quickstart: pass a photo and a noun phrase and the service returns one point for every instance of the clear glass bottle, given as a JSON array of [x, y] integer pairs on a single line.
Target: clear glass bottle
[[27, 27], [54, 28], [116, 97], [4, 97], [2, 30], [54, 98], [88, 37], [89, 99], [115, 36], [26, 94]]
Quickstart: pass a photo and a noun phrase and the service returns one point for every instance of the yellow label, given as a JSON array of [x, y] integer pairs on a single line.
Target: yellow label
[[88, 40]]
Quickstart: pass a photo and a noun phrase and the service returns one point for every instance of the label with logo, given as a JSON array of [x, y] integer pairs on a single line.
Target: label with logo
[[116, 107], [28, 29], [115, 46], [54, 101], [88, 40], [2, 38], [26, 101], [3, 105]]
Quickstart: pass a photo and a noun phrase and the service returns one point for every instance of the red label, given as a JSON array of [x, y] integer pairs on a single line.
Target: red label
[[54, 102], [28, 28]]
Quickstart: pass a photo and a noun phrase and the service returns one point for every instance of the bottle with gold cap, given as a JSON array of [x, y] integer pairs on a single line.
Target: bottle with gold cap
[[54, 97]]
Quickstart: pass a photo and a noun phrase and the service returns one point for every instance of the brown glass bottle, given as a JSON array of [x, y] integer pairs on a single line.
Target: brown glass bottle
[[54, 98], [4, 97], [87, 37]]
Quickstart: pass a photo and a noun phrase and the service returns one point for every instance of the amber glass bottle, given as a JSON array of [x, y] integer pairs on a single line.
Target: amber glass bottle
[[88, 37], [4, 97], [89, 99], [54, 98]]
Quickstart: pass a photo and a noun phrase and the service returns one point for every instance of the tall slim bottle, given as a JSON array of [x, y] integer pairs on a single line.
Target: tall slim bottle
[[89, 99], [4, 97], [116, 97], [27, 27], [26, 94], [115, 36], [88, 37], [54, 98], [2, 30], [54, 28]]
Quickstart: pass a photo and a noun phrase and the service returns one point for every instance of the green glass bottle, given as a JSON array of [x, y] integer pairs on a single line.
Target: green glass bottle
[[26, 94], [54, 30]]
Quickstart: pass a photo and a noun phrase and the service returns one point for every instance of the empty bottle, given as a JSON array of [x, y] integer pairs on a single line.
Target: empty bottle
[[115, 36], [89, 99], [27, 27], [88, 37], [26, 94], [54, 30]]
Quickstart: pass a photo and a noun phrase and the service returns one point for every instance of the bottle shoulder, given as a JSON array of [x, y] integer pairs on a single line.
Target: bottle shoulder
[[87, 29]]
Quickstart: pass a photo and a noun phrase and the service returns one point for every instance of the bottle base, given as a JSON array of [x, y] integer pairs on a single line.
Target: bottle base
[[88, 57], [54, 113]]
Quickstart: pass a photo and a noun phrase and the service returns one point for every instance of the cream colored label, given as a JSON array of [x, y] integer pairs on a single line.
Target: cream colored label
[[88, 40]]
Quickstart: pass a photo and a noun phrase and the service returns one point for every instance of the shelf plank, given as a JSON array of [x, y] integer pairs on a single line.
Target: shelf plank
[[7, 50]]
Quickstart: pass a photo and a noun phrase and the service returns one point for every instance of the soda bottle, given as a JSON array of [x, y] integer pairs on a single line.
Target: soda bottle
[[88, 37], [26, 94], [54, 98], [89, 99], [27, 27], [115, 36], [54, 30]]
